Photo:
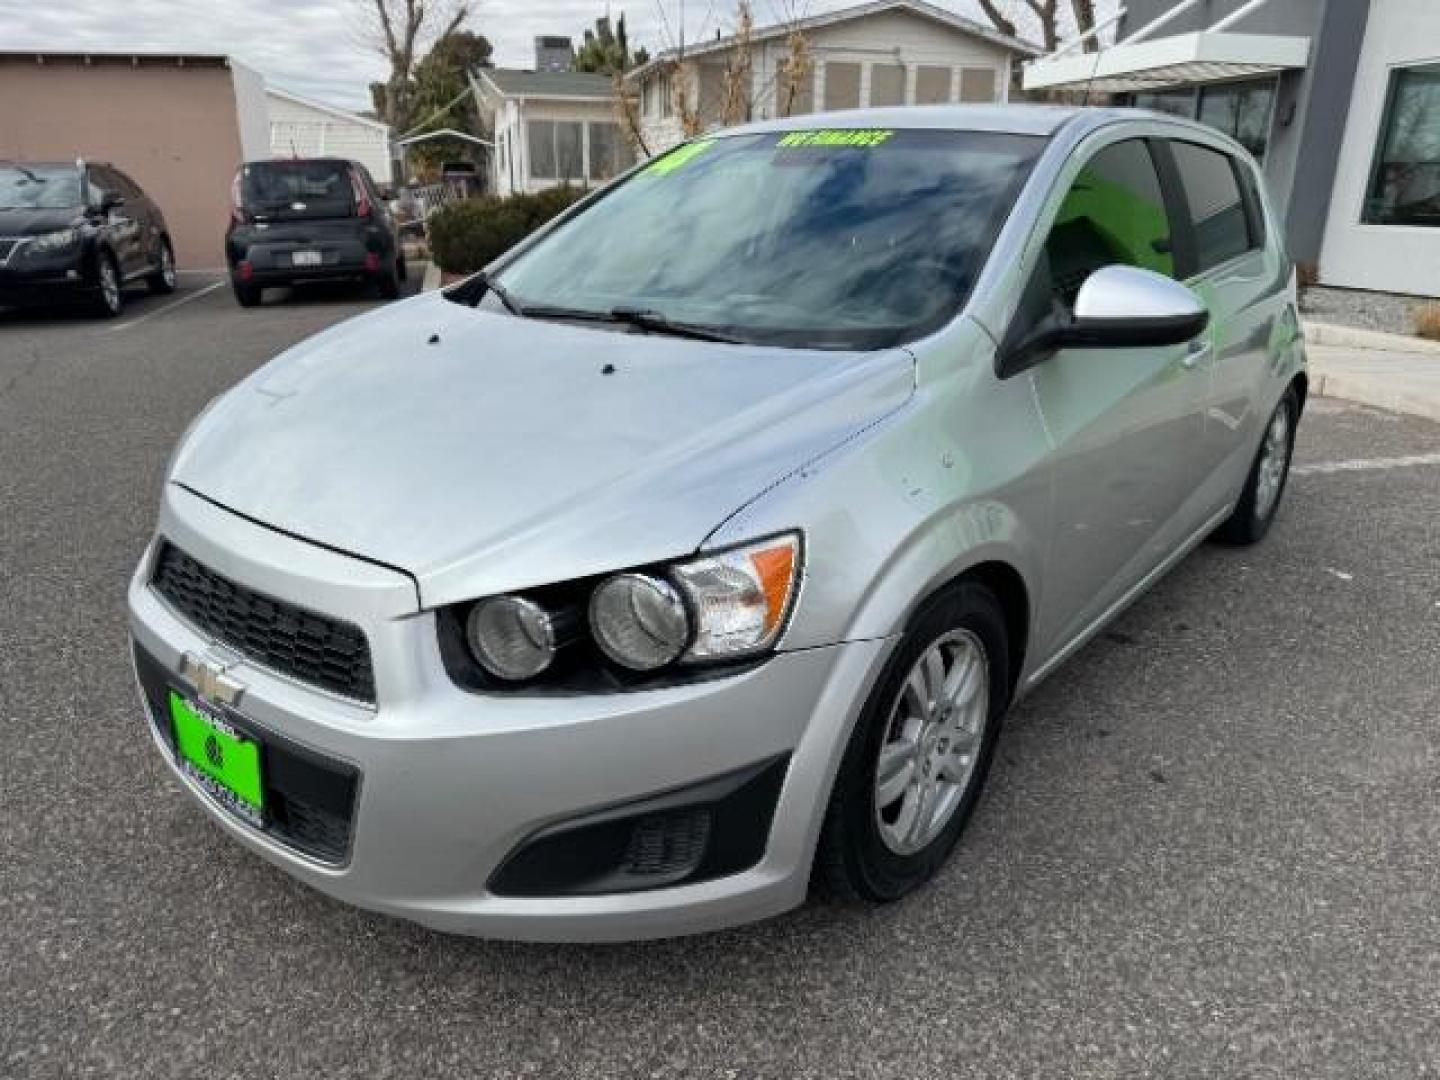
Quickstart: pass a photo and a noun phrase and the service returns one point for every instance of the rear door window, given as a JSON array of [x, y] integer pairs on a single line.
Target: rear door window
[[1216, 207], [298, 190]]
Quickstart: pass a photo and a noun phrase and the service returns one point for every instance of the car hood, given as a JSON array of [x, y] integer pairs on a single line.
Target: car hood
[[480, 452], [28, 222]]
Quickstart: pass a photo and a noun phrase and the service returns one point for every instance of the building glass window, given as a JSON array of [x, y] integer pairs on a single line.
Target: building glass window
[[1405, 179], [1178, 102], [978, 85], [887, 84], [1242, 111], [842, 86], [932, 85]]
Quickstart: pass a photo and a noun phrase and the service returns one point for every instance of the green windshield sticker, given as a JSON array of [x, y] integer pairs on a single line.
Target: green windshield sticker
[[862, 137], [676, 158]]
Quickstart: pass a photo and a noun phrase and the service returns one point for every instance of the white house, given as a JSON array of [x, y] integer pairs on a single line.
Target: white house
[[300, 127], [885, 52], [550, 128]]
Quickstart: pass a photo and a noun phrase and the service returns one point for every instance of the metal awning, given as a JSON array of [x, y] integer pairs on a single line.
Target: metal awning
[[1180, 60]]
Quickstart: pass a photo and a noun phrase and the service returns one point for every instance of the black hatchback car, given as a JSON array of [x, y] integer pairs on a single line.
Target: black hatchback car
[[79, 231], [309, 219]]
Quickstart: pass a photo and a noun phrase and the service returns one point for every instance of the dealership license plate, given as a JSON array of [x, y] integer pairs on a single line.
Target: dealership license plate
[[219, 758], [306, 258]]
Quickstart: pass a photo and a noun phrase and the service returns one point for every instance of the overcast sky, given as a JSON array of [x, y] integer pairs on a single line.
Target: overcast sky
[[318, 47]]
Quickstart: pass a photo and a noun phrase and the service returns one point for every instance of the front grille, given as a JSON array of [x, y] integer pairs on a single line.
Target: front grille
[[315, 649]]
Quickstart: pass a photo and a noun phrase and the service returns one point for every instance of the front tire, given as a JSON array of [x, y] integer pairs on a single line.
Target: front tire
[[388, 283], [109, 294], [917, 760], [1260, 498]]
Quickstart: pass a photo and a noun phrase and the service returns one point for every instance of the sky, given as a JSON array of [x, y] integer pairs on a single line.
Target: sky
[[318, 48]]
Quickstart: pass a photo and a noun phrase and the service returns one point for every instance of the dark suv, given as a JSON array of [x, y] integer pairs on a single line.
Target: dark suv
[[78, 231], [308, 219]]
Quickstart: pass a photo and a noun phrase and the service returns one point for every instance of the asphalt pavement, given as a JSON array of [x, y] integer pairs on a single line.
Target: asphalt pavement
[[1208, 848]]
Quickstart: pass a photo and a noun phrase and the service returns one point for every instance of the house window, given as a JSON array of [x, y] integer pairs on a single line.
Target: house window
[[932, 85], [842, 86], [1405, 178], [609, 151], [887, 84], [797, 93], [557, 150], [977, 84], [666, 94]]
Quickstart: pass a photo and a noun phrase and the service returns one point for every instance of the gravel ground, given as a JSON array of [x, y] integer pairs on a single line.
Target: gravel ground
[[1208, 848], [1387, 312]]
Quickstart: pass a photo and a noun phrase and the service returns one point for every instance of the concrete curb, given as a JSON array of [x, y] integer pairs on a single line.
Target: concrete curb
[[1376, 391], [432, 277], [1352, 338]]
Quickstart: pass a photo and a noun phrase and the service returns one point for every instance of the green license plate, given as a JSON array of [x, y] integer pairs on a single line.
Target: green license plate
[[219, 758]]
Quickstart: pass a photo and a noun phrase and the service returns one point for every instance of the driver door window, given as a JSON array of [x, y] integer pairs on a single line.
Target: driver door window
[[1113, 213]]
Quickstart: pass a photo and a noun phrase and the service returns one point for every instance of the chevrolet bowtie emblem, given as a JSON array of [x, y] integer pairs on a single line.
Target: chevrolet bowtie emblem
[[207, 675]]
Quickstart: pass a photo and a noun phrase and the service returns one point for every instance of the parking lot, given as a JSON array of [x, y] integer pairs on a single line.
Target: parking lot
[[1208, 847]]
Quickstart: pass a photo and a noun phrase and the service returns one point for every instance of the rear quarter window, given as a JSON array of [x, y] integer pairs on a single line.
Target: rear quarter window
[[1218, 211]]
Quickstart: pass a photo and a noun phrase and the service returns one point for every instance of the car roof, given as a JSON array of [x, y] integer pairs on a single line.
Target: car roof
[[1012, 119]]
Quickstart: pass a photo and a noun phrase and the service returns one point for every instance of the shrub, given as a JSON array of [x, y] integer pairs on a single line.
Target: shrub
[[1426, 318], [467, 234]]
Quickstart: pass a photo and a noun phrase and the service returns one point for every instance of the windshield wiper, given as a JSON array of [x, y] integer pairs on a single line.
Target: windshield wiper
[[657, 323]]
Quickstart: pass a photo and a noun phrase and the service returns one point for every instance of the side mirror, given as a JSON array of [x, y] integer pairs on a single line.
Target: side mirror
[[1118, 307], [110, 200]]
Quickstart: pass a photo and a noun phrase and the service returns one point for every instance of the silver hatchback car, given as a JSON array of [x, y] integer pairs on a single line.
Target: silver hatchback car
[[694, 553]]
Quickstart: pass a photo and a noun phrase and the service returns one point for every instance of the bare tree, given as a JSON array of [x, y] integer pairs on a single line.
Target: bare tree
[[402, 31], [736, 85], [1017, 18]]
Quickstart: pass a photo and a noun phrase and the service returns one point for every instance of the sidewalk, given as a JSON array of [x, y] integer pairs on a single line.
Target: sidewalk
[[1379, 370]]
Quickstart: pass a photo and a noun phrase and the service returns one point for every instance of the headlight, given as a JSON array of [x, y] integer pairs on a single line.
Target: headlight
[[513, 638], [53, 241], [639, 621], [740, 597]]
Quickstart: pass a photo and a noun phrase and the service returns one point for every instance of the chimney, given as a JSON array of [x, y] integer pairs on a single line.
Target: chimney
[[553, 54]]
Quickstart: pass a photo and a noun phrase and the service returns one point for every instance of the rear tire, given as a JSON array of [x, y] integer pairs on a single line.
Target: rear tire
[[162, 281], [883, 836], [402, 268], [1264, 487], [388, 283], [247, 295]]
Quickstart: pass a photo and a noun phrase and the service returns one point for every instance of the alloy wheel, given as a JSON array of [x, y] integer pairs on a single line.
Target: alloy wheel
[[932, 742], [1274, 461], [109, 285]]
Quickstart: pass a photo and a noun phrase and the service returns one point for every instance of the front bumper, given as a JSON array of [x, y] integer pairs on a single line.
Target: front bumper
[[451, 783], [44, 279]]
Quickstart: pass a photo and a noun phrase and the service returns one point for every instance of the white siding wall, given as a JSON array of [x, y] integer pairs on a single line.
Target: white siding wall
[[1397, 258], [889, 37], [297, 129]]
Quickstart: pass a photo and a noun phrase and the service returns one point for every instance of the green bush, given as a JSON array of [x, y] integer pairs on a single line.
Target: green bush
[[467, 234]]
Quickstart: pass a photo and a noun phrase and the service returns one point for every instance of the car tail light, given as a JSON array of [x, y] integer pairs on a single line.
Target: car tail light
[[362, 200], [237, 203], [245, 269], [372, 262]]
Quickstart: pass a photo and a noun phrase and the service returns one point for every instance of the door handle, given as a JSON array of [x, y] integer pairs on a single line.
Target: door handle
[[1197, 350]]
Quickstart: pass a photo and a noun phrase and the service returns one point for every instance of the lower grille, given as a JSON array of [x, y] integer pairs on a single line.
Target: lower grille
[[309, 798], [316, 649]]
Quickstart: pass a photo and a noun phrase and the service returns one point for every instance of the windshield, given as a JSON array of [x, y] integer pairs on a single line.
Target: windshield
[[297, 189], [39, 187], [828, 238]]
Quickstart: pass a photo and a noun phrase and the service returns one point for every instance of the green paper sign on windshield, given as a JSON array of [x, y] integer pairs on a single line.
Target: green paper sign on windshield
[[862, 137]]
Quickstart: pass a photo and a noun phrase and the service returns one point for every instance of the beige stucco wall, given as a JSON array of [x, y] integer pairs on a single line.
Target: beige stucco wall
[[174, 129]]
